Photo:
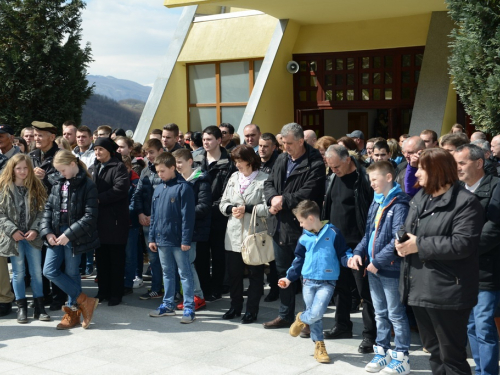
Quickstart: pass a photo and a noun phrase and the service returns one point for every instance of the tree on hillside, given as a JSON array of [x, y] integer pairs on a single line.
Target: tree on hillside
[[42, 65], [475, 60]]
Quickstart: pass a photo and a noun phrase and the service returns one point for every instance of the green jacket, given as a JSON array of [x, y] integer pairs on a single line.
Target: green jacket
[[9, 219]]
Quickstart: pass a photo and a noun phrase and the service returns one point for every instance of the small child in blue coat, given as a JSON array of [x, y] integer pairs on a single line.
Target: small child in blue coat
[[171, 234], [387, 214], [319, 253]]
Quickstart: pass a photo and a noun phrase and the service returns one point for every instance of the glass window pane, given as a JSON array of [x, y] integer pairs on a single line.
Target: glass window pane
[[388, 61], [388, 94], [350, 63], [417, 75], [329, 64], [303, 96], [314, 81], [365, 78], [388, 78], [376, 94], [406, 93], [405, 76], [232, 115], [302, 81], [339, 95], [366, 63], [202, 83], [418, 59], [313, 66], [350, 94], [257, 64], [328, 80], [328, 95], [303, 66], [365, 94], [234, 85], [406, 60], [201, 117], [311, 120], [350, 79], [313, 97], [339, 64], [376, 62], [376, 78], [339, 79]]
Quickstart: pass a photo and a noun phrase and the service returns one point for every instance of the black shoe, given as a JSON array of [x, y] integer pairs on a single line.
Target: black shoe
[[5, 309], [127, 291], [336, 333], [101, 298], [366, 346], [249, 318], [114, 301], [213, 297], [231, 314], [40, 313], [274, 295], [56, 306], [22, 311]]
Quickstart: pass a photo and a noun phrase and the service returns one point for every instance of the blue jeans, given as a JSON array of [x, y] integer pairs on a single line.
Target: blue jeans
[[389, 310], [317, 294], [69, 281], [482, 332], [169, 257], [131, 256], [87, 263], [197, 287], [34, 257], [154, 263]]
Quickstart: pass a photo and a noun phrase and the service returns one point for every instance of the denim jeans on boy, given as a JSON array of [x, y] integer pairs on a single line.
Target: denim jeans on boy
[[389, 311], [192, 256], [34, 257], [317, 295], [131, 256], [69, 281], [482, 332], [169, 258], [154, 263]]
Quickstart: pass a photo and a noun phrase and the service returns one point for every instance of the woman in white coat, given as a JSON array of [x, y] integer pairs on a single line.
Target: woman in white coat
[[244, 193]]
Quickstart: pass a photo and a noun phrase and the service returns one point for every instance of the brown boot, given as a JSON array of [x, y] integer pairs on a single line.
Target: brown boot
[[297, 326], [86, 305], [70, 319], [320, 353]]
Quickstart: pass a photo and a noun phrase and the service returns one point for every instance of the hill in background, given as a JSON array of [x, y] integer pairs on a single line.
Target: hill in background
[[119, 89]]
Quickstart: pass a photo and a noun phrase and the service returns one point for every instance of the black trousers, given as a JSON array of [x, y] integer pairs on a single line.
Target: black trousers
[[343, 302], [272, 276], [58, 296], [236, 269], [284, 256], [444, 335], [110, 261], [212, 250]]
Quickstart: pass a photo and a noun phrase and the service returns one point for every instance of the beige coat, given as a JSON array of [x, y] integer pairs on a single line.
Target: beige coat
[[237, 229]]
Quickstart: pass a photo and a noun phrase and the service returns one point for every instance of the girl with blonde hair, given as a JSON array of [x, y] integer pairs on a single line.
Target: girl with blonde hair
[[22, 198], [69, 228]]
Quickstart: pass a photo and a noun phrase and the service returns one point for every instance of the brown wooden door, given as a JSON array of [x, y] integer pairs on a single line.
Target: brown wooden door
[[312, 119], [357, 121]]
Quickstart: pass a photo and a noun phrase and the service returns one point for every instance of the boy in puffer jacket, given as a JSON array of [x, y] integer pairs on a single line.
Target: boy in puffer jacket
[[319, 253], [387, 214]]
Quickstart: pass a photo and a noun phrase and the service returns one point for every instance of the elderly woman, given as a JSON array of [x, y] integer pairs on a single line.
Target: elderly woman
[[322, 145], [244, 193], [440, 271]]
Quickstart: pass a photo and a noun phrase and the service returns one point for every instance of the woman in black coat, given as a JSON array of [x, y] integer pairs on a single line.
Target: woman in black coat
[[112, 180], [440, 272]]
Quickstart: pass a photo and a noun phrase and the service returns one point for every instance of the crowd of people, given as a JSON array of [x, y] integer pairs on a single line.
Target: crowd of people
[[407, 229]]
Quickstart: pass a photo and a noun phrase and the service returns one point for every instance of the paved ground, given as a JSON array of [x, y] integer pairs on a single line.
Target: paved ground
[[125, 340]]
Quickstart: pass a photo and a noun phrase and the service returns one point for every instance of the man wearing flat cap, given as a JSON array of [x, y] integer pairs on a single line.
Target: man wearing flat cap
[[359, 138]]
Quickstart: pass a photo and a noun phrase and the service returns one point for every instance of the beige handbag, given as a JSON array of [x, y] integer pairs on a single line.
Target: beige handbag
[[257, 248]]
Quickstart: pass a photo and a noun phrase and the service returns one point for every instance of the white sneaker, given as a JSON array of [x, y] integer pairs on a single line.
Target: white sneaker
[[381, 359], [138, 283], [400, 364]]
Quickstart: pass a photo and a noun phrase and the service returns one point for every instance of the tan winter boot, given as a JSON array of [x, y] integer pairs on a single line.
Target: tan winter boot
[[86, 305], [297, 326], [320, 353], [70, 319]]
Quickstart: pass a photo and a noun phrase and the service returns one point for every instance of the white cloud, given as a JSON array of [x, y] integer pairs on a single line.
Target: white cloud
[[129, 38]]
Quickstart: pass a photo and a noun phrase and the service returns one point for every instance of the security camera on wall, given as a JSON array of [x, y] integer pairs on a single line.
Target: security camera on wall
[[292, 67]]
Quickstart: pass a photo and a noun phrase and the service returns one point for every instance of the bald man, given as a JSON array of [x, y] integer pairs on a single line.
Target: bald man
[[477, 135], [495, 151], [310, 137]]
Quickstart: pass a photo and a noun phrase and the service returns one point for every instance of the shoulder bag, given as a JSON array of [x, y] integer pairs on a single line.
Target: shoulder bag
[[257, 248]]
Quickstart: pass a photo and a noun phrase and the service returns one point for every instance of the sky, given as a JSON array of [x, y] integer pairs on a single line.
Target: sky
[[129, 38]]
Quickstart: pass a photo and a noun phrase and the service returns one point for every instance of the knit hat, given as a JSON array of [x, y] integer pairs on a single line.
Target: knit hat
[[106, 143]]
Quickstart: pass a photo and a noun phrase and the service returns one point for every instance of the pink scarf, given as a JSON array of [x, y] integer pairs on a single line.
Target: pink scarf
[[246, 181]]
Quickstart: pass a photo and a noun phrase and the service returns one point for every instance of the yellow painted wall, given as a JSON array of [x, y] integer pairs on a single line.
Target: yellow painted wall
[[364, 35], [228, 39], [450, 112], [207, 9], [173, 105], [275, 107]]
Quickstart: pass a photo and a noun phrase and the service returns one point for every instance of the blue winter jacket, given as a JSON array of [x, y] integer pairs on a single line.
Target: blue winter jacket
[[172, 213], [318, 256], [395, 209]]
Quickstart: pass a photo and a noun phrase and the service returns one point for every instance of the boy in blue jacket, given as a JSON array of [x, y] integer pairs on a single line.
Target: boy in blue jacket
[[171, 233], [319, 253], [387, 214]]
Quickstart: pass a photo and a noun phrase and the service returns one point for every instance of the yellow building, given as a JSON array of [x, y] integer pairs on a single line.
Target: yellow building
[[331, 65]]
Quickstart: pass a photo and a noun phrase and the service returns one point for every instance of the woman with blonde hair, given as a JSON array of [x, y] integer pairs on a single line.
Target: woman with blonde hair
[[22, 197], [63, 143], [69, 227]]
